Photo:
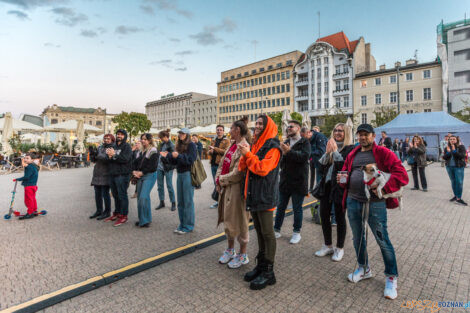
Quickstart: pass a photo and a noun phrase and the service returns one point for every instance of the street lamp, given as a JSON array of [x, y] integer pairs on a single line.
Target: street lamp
[[398, 89]]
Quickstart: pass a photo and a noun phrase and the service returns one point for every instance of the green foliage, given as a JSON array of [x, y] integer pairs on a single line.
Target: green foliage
[[296, 116], [47, 148], [134, 123], [383, 116], [463, 115], [277, 118], [15, 142], [330, 120]]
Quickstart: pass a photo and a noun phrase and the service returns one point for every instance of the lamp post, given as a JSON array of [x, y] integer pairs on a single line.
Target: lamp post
[[398, 89]]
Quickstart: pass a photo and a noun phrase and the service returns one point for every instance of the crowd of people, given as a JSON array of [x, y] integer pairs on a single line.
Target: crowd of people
[[256, 175]]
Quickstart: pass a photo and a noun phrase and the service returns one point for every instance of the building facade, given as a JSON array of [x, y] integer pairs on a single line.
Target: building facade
[[174, 111], [324, 74], [58, 114], [413, 88], [205, 112], [261, 87], [453, 42]]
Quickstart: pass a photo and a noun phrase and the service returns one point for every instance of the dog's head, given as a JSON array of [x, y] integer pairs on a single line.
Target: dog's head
[[371, 169]]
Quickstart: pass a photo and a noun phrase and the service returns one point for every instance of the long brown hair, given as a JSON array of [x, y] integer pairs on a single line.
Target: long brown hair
[[182, 145], [421, 142]]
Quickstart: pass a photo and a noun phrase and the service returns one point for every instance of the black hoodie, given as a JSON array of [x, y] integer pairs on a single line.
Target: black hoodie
[[121, 162]]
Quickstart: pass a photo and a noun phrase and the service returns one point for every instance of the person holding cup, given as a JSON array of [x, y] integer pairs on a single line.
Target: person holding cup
[[337, 149]]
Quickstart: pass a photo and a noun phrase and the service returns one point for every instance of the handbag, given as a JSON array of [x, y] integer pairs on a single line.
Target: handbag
[[410, 160], [198, 174], [215, 195], [319, 190]]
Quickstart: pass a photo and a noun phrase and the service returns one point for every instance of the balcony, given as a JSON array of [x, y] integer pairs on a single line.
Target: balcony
[[301, 96], [341, 92], [341, 75], [301, 82], [330, 111]]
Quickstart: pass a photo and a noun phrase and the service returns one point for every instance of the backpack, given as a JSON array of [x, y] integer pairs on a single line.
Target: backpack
[[198, 174]]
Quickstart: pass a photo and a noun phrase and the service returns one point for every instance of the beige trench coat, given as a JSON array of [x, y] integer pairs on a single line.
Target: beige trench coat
[[232, 207]]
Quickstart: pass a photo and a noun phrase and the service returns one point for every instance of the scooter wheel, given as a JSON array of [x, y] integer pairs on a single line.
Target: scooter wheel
[[43, 212], [7, 216]]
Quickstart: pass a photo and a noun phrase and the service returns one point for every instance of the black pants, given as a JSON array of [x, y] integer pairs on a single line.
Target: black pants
[[119, 186], [422, 176], [102, 194], [263, 222], [312, 174], [325, 214]]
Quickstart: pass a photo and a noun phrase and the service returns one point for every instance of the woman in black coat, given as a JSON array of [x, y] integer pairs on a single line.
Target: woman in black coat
[[100, 179]]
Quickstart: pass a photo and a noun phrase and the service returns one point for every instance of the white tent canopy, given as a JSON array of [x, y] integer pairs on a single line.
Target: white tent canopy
[[71, 125], [19, 125]]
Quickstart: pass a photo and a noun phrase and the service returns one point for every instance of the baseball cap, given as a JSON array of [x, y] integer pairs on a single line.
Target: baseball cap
[[366, 128], [184, 131]]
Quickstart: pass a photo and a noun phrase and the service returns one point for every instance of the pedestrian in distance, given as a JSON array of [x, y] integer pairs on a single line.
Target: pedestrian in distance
[[144, 175], [294, 179], [337, 149], [317, 149], [216, 150], [262, 179], [29, 182], [396, 147], [404, 149], [385, 141], [101, 179], [232, 206], [454, 157], [373, 211], [183, 158], [120, 159], [417, 150], [165, 171]]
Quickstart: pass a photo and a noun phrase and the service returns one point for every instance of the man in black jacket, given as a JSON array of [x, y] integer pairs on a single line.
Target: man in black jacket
[[120, 157], [385, 141], [317, 150], [294, 179]]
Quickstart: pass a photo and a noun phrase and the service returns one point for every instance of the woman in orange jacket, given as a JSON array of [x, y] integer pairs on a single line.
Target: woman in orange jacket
[[261, 185]]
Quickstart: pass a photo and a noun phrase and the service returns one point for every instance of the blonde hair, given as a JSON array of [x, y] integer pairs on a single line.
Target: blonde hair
[[348, 136]]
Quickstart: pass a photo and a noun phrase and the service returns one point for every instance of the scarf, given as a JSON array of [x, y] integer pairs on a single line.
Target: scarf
[[227, 160]]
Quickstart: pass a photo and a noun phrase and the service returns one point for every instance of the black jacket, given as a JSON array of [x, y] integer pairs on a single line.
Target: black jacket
[[458, 154], [146, 162], [185, 160], [101, 168], [317, 147], [294, 168], [387, 142], [121, 162], [261, 190]]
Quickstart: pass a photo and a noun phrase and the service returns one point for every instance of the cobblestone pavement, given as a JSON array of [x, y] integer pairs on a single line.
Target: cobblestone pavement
[[430, 238]]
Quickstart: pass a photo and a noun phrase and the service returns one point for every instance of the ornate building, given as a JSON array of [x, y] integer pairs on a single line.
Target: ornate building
[[95, 117]]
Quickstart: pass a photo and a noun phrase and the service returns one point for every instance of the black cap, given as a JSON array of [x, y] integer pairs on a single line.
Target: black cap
[[366, 128]]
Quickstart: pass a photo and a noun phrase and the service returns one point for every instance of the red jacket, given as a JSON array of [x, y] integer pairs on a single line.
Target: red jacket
[[387, 162]]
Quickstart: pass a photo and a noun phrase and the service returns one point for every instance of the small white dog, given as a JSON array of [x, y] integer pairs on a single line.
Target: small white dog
[[374, 178]]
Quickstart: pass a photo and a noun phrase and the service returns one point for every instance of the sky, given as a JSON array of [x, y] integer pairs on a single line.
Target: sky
[[121, 54]]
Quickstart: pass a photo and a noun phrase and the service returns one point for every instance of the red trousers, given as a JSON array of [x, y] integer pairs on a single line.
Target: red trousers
[[30, 198]]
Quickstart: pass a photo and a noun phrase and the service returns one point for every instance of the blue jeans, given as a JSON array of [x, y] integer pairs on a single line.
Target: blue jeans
[[119, 186], [144, 187], [456, 175], [297, 201], [102, 194], [214, 171], [378, 224], [185, 193], [161, 176]]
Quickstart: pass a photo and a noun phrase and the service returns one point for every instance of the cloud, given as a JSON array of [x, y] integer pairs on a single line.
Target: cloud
[[165, 62], [20, 15], [170, 5], [185, 52], [148, 9], [181, 69], [88, 33], [124, 30], [168, 63], [208, 36], [174, 39], [51, 45], [32, 4], [68, 17]]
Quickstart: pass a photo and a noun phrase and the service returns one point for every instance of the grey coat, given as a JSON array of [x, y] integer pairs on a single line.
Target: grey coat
[[101, 174], [419, 154]]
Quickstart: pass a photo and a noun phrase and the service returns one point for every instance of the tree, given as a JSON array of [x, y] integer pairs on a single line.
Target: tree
[[296, 116], [383, 116], [134, 123], [277, 118], [339, 116], [463, 115]]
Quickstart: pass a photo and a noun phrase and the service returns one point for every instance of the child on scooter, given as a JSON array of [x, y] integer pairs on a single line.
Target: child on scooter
[[29, 181]]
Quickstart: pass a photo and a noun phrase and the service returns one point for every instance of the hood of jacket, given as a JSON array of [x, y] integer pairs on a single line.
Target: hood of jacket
[[125, 136], [270, 131]]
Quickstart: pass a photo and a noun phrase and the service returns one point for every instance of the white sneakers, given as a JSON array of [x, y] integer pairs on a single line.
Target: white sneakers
[[277, 234], [325, 250], [227, 256], [338, 254], [390, 291], [239, 260], [215, 205], [360, 274], [295, 238]]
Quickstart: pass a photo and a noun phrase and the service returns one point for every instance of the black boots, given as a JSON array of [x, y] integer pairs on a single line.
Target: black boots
[[161, 206], [26, 216], [173, 206], [105, 214], [96, 214], [265, 278], [251, 275]]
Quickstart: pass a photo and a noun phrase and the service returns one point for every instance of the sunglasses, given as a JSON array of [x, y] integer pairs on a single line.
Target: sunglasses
[[338, 131], [290, 126]]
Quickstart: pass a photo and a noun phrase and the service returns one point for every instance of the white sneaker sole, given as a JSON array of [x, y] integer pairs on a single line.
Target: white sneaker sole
[[362, 278], [390, 298], [322, 255]]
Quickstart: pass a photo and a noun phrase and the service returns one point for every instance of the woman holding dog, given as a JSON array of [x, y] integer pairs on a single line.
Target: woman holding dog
[[337, 149], [417, 150], [454, 156]]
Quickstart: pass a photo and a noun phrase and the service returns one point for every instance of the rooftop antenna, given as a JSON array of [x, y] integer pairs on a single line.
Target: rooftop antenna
[[416, 54], [318, 24]]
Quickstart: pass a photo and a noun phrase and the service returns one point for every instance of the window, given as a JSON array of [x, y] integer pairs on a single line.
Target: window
[[363, 100], [427, 110], [393, 79], [338, 85], [269, 103], [363, 83], [327, 104], [278, 89], [426, 74], [283, 75], [378, 81], [278, 76], [287, 75], [326, 71], [364, 118], [427, 93], [337, 69], [325, 60], [409, 76], [338, 102], [346, 102], [409, 95], [346, 84], [409, 111], [261, 69], [378, 98], [269, 91], [283, 102], [393, 97], [278, 102], [318, 103], [273, 90], [270, 67], [345, 68], [279, 65], [319, 88], [273, 77], [289, 62], [288, 88], [54, 121], [326, 87], [287, 101], [264, 79]]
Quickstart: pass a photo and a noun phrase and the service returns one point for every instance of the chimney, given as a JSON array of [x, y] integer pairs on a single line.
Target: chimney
[[382, 67], [397, 64], [411, 62], [367, 56]]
